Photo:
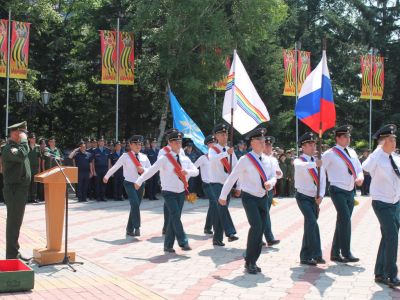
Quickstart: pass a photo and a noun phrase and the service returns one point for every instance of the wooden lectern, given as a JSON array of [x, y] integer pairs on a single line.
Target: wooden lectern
[[54, 194]]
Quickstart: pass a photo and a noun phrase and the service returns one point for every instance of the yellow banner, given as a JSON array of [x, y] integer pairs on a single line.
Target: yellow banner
[[303, 70]]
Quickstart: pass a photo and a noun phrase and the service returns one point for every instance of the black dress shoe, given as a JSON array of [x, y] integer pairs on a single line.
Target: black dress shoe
[[155, 198], [164, 231], [320, 260], [130, 233], [169, 250], [251, 268], [258, 268], [218, 243], [208, 231], [274, 242], [380, 279], [137, 232], [393, 282], [337, 258], [264, 243], [350, 258], [21, 257], [232, 238], [186, 247], [309, 262], [33, 201]]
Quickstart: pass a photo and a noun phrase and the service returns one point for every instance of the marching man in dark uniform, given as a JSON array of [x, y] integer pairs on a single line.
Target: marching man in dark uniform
[[220, 167], [134, 163], [306, 181], [204, 164], [383, 165], [344, 172], [82, 160], [161, 153], [100, 163], [257, 175], [17, 178], [175, 169], [34, 160]]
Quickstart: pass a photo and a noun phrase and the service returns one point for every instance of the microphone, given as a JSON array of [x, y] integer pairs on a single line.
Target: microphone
[[55, 157]]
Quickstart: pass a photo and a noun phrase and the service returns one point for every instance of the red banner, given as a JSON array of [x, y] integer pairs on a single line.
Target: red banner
[[3, 47], [19, 50]]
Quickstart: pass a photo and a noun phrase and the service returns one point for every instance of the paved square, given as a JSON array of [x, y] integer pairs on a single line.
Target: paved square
[[117, 267]]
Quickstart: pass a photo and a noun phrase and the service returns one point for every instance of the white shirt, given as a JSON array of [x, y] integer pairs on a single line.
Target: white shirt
[[162, 152], [337, 170], [385, 185], [204, 164], [250, 180], [169, 180], [217, 173], [130, 170], [276, 164], [303, 182]]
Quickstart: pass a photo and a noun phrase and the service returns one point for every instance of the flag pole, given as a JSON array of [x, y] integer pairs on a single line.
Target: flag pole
[[8, 70], [297, 46], [117, 91], [232, 103], [319, 147]]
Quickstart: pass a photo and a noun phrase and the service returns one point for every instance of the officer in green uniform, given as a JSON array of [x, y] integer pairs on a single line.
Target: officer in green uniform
[[49, 162], [2, 144], [34, 161], [17, 178]]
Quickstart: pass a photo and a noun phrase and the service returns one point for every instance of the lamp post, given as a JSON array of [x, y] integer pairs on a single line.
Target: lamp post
[[45, 97], [19, 96]]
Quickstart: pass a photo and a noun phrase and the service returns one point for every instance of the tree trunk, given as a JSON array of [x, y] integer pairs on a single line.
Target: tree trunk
[[163, 120]]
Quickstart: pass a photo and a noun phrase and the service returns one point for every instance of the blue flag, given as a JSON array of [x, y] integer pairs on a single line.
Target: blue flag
[[184, 123]]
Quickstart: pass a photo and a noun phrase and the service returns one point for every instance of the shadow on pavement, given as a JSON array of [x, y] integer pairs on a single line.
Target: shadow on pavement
[[161, 259], [119, 241], [243, 280]]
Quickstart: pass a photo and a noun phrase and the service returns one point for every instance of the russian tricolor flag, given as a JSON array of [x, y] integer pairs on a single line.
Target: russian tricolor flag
[[315, 106]]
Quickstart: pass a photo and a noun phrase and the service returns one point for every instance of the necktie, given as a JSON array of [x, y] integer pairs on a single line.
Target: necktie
[[224, 150], [262, 181], [137, 156], [177, 159], [312, 159], [347, 152], [394, 166]]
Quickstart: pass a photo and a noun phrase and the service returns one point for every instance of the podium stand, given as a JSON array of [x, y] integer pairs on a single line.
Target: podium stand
[[55, 187]]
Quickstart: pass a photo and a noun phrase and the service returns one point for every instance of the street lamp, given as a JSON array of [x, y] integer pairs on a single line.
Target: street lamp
[[45, 97], [20, 95]]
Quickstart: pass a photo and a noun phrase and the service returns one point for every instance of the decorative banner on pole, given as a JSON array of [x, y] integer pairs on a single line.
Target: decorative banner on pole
[[372, 77], [289, 72], [19, 49], [303, 67], [3, 47], [126, 48], [108, 41]]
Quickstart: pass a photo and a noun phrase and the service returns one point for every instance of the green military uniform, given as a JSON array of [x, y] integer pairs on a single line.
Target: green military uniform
[[49, 162], [34, 157], [17, 177], [290, 176]]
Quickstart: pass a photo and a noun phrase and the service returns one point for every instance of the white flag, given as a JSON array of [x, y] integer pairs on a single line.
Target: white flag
[[249, 109]]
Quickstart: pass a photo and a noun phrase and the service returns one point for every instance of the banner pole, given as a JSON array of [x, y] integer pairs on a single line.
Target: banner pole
[[370, 99], [296, 57], [8, 71], [117, 98]]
